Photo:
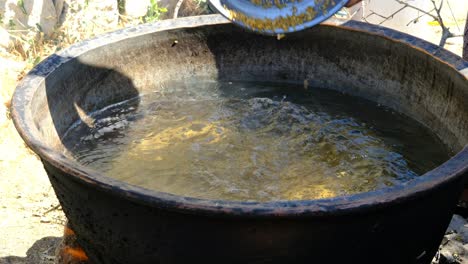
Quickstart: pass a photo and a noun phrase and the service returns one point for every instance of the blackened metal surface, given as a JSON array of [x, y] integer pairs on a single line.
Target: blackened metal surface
[[115, 231], [119, 223]]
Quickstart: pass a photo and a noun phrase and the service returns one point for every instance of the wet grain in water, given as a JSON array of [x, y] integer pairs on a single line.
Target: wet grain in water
[[254, 141]]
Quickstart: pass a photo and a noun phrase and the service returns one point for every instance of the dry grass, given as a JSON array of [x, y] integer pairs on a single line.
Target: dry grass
[[32, 46]]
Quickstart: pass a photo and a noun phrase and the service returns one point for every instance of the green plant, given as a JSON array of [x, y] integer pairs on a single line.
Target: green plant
[[154, 12], [203, 6], [121, 6], [20, 4], [39, 27], [11, 24]]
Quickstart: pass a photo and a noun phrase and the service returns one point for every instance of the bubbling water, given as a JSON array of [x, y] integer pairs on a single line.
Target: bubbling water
[[253, 141]]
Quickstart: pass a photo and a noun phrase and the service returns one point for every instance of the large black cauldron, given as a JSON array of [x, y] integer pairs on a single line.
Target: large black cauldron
[[119, 223]]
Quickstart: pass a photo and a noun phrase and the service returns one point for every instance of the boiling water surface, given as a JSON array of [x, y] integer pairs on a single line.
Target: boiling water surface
[[254, 142]]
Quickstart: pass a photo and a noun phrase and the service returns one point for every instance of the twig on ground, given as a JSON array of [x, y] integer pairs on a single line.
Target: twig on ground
[[52, 209]]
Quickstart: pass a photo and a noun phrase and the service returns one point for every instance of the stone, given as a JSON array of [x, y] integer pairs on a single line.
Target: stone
[[137, 8], [454, 246], [58, 7], [357, 11], [31, 13], [463, 232], [453, 252], [42, 13], [14, 17], [457, 224]]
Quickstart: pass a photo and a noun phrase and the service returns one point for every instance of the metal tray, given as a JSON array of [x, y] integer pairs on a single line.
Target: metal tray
[[277, 16]]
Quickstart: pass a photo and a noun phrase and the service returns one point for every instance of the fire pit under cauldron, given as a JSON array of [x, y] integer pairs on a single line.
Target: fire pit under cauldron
[[119, 223]]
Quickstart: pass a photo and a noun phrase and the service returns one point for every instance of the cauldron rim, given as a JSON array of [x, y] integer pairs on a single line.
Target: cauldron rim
[[451, 170]]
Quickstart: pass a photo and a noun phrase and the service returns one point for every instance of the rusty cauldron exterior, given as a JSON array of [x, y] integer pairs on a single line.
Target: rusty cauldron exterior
[[117, 223]]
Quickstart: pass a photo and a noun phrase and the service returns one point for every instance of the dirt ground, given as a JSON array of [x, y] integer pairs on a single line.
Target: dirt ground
[[30, 217], [31, 221]]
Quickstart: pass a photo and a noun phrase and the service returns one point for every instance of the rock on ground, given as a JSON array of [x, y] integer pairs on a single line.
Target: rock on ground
[[43, 14], [137, 8], [454, 246], [58, 7], [459, 225]]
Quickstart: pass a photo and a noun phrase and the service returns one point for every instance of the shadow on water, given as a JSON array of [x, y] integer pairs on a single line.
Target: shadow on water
[[41, 252], [73, 93]]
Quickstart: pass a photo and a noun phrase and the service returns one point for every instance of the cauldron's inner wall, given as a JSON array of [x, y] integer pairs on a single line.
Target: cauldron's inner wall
[[73, 92], [388, 72]]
